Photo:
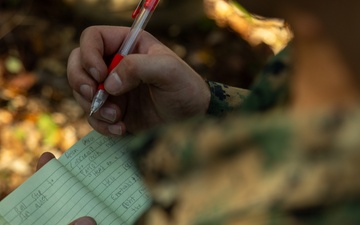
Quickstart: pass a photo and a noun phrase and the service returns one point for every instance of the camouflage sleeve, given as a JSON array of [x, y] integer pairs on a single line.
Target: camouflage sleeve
[[225, 98], [268, 91], [255, 170], [271, 88]]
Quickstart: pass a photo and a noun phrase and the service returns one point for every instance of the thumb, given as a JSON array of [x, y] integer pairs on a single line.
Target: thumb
[[44, 158], [84, 221], [157, 70]]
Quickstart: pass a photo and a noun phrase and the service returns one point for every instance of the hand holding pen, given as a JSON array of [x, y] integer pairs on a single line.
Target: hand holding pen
[[148, 89], [142, 16]]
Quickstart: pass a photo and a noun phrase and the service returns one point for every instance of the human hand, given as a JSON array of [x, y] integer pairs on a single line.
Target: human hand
[[84, 221], [149, 88], [45, 158]]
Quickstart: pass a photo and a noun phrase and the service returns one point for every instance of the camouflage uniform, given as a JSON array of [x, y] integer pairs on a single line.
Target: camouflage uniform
[[250, 162]]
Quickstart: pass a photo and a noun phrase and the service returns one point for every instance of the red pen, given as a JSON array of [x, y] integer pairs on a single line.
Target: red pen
[[142, 16]]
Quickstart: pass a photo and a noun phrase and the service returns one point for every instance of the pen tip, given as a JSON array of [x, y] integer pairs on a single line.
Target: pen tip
[[92, 112]]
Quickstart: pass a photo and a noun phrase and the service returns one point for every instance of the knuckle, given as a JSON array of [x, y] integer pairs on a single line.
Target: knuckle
[[72, 59], [88, 31]]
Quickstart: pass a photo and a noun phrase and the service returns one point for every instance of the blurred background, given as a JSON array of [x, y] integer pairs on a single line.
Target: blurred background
[[218, 38]]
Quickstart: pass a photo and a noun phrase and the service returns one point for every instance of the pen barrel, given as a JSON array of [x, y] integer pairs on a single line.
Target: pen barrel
[[115, 61], [138, 26]]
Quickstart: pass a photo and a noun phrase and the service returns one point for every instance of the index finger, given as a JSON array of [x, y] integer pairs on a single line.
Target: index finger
[[97, 42]]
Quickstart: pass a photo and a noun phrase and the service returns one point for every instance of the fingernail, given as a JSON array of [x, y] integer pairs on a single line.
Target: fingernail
[[115, 129], [85, 221], [113, 83], [95, 73], [108, 114], [86, 91]]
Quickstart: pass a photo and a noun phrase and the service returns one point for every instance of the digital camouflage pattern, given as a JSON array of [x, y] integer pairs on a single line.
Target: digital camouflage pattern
[[266, 167], [269, 91]]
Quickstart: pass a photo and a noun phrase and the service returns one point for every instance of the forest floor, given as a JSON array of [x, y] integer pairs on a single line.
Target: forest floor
[[37, 110]]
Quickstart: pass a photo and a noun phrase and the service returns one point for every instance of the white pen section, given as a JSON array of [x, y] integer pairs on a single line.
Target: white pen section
[[98, 101]]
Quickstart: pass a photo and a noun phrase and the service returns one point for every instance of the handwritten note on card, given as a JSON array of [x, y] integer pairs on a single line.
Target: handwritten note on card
[[96, 177]]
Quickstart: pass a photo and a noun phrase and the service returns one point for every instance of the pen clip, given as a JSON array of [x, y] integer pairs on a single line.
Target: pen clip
[[137, 10]]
